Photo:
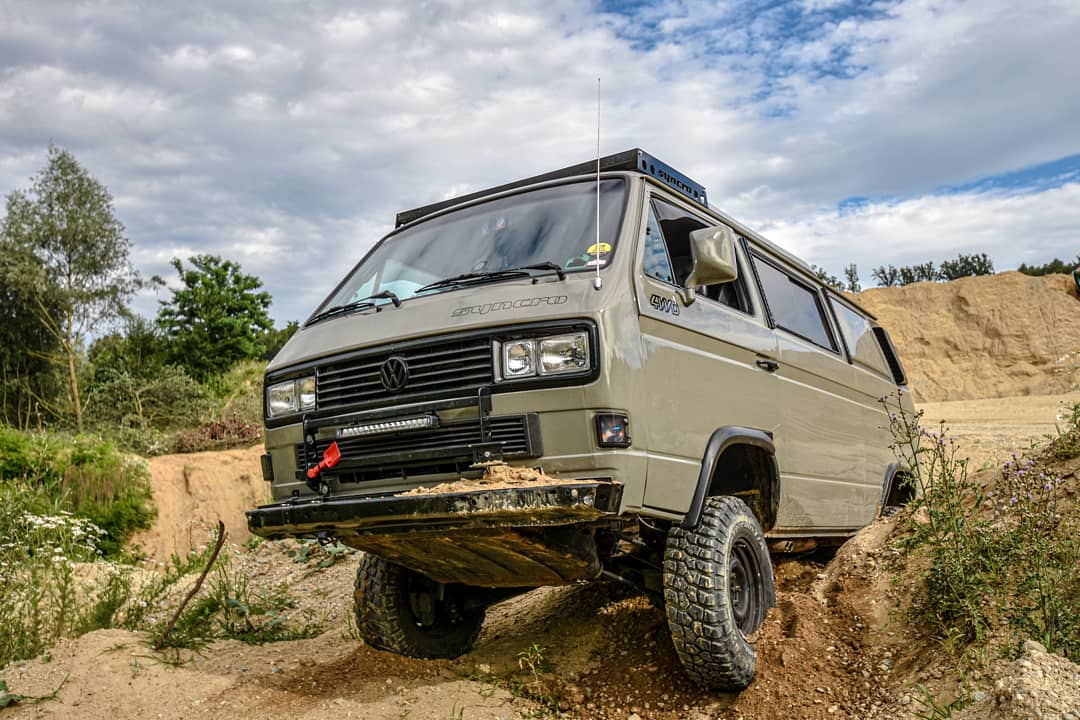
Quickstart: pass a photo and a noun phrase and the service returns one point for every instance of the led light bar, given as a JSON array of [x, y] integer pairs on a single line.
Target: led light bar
[[420, 422]]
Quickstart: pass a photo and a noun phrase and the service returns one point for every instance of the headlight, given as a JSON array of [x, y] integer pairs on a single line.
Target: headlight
[[519, 358], [290, 396], [564, 354], [543, 356]]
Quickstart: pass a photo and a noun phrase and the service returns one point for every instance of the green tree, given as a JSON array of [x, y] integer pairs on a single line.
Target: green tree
[[29, 382], [851, 275], [275, 339], [1057, 265], [83, 278], [216, 318], [886, 276], [824, 276], [966, 266]]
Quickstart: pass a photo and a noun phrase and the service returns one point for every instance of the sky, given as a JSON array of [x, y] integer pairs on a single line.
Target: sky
[[286, 135]]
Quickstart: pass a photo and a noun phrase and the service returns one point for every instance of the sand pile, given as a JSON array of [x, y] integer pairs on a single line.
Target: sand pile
[[982, 337]]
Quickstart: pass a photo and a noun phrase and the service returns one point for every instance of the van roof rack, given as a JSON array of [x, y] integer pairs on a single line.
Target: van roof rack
[[630, 160]]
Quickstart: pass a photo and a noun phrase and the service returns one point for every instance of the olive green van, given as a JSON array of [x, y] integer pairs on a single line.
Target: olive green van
[[694, 396]]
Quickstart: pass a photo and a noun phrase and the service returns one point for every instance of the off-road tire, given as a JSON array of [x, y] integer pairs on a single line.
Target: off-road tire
[[385, 617], [718, 585]]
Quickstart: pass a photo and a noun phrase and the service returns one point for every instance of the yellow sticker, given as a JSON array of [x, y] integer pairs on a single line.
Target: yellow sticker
[[598, 248]]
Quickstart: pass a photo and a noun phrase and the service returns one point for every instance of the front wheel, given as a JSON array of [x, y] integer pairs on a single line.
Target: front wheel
[[405, 612], [718, 585]]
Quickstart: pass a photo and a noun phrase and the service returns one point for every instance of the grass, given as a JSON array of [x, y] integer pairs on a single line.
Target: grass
[[1001, 558], [86, 476]]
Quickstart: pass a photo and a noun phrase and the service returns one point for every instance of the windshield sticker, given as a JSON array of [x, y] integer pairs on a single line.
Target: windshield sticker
[[597, 248], [601, 261], [508, 305]]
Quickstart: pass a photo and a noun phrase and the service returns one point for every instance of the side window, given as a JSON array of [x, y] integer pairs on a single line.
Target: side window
[[795, 307], [676, 226], [657, 264], [858, 335], [668, 256]]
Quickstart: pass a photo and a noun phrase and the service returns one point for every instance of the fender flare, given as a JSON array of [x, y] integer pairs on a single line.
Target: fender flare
[[722, 439], [889, 486]]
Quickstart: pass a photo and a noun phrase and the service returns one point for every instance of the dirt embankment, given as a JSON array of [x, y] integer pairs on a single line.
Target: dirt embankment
[[193, 491], [981, 337]]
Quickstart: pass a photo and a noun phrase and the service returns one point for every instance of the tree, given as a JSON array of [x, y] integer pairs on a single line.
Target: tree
[[886, 276], [1057, 265], [824, 276], [29, 382], [83, 277], [275, 339], [217, 317], [851, 275], [966, 266]]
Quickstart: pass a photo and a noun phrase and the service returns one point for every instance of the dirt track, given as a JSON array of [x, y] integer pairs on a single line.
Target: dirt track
[[831, 649]]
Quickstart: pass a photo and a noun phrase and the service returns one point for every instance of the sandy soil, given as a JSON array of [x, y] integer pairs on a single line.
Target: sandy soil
[[193, 491], [978, 337], [990, 430]]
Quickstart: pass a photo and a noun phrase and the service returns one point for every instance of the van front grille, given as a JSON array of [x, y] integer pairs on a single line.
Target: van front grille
[[448, 366]]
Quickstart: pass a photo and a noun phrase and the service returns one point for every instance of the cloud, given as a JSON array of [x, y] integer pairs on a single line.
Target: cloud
[[286, 136], [1012, 228]]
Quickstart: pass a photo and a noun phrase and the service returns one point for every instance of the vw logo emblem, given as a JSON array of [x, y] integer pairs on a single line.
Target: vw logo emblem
[[394, 374]]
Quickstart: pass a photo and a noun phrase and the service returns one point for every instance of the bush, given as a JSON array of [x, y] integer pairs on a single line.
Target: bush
[[1004, 560], [85, 476]]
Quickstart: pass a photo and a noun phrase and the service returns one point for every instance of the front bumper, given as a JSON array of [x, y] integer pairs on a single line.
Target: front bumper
[[519, 536]]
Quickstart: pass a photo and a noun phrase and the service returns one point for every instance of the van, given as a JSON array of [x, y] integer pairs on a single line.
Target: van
[[678, 396]]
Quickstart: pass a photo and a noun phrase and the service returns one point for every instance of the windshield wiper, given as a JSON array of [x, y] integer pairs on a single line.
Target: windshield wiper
[[386, 295], [471, 278], [363, 304], [341, 310]]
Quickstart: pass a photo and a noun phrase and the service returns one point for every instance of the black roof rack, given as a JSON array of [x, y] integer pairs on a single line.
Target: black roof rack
[[633, 160]]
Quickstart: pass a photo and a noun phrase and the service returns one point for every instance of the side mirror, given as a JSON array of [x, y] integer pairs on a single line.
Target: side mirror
[[713, 250]]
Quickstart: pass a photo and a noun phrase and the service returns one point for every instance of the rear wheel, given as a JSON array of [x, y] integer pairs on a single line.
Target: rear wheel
[[718, 585], [408, 613]]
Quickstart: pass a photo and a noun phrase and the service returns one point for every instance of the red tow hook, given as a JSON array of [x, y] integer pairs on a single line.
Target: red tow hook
[[330, 458]]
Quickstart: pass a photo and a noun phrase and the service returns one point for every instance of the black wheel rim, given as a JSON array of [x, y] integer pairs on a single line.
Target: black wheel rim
[[431, 614], [745, 591]]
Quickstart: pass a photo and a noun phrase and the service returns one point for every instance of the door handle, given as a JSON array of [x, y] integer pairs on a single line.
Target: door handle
[[768, 365]]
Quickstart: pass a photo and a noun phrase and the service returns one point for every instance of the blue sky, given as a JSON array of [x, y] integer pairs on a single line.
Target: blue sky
[[286, 136]]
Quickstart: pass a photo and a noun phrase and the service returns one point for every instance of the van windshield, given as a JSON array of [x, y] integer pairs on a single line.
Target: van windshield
[[551, 225]]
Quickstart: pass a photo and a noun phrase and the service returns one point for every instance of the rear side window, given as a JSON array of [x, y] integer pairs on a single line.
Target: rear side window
[[795, 307], [890, 355], [858, 334]]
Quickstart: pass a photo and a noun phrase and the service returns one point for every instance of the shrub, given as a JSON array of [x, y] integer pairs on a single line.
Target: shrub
[[1003, 562], [85, 476]]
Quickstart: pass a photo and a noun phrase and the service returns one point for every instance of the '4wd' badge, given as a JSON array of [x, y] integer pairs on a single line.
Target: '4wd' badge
[[394, 374]]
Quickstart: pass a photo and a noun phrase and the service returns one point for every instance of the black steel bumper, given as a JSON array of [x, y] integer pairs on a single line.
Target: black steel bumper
[[508, 537], [505, 507]]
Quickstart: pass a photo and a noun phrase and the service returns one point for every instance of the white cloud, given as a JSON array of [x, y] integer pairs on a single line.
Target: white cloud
[[289, 135], [1012, 228]]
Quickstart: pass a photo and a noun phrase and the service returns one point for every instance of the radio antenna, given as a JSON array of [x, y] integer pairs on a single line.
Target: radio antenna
[[597, 283]]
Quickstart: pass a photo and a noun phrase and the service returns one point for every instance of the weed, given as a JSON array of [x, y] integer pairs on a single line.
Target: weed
[[307, 552], [1004, 561], [931, 708], [534, 662]]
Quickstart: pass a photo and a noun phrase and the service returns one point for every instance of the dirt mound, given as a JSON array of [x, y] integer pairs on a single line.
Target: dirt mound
[[193, 491], [1037, 684], [981, 337]]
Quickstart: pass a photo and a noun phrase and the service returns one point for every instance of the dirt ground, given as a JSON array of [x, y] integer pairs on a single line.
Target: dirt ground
[[832, 648], [990, 430]]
